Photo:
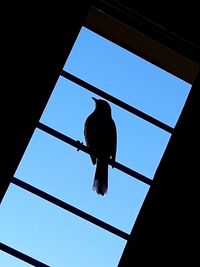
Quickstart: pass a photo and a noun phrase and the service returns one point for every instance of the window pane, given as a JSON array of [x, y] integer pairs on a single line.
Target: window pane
[[60, 170], [127, 76], [140, 144], [53, 236], [10, 261]]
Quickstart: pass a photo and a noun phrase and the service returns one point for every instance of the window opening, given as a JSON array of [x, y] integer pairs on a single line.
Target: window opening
[[84, 71]]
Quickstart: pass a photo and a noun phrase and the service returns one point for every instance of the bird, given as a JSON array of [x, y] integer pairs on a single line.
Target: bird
[[101, 137]]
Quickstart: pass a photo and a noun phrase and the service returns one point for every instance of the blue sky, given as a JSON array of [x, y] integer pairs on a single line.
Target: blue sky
[[57, 237]]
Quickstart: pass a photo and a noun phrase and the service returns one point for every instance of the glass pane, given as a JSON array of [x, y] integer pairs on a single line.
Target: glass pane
[[52, 235], [60, 170], [140, 144], [10, 261], [127, 76]]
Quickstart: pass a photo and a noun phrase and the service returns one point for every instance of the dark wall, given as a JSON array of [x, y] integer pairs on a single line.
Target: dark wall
[[183, 18], [35, 40], [167, 229]]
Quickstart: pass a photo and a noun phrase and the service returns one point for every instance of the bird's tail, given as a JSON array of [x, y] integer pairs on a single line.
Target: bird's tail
[[100, 184]]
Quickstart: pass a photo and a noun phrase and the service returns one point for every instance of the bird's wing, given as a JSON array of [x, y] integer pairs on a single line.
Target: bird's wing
[[89, 135], [113, 140]]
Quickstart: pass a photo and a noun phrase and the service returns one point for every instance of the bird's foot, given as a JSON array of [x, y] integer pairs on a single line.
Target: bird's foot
[[112, 163], [79, 145]]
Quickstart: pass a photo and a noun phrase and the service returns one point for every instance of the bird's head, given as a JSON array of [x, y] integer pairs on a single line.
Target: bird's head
[[102, 106]]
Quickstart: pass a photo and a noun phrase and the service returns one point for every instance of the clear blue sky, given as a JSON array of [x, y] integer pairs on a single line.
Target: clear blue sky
[[57, 237]]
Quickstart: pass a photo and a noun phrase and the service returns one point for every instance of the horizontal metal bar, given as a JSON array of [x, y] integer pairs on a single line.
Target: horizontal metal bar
[[116, 101], [87, 150], [70, 208], [22, 256]]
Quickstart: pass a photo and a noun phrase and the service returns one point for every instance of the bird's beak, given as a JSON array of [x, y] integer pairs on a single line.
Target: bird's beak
[[95, 99]]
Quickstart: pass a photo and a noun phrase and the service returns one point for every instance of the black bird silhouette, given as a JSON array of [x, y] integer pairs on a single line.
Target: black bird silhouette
[[101, 136]]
